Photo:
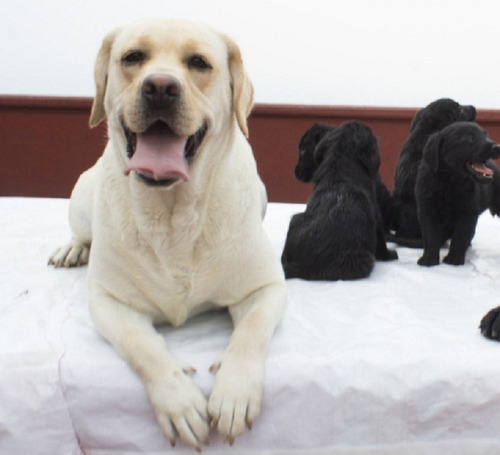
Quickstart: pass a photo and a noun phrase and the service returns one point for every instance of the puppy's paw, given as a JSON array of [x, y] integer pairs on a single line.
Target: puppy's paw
[[236, 398], [389, 255], [455, 259], [490, 324], [428, 261], [180, 409], [73, 254]]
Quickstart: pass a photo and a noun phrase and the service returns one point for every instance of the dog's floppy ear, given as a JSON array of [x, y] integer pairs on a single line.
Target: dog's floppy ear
[[241, 86], [98, 114], [431, 151], [321, 149], [369, 159]]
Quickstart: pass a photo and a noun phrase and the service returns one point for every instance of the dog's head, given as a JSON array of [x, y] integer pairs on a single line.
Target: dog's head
[[352, 140], [462, 148], [441, 113], [307, 162], [164, 86]]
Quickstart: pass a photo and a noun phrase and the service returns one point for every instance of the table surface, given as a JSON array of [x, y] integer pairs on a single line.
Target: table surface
[[390, 363]]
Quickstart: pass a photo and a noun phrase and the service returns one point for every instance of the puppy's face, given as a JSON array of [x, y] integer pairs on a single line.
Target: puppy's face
[[307, 162], [164, 85], [441, 113], [462, 148]]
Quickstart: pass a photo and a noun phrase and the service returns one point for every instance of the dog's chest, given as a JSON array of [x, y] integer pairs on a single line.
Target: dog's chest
[[172, 270]]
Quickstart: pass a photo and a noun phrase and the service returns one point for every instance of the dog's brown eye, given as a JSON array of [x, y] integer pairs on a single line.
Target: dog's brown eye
[[134, 57], [198, 63]]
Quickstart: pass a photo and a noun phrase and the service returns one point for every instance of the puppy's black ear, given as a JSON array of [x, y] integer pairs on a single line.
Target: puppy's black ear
[[320, 151], [431, 151], [368, 157], [318, 131]]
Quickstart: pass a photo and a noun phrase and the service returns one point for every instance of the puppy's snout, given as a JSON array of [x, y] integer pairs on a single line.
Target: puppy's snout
[[161, 89], [496, 150]]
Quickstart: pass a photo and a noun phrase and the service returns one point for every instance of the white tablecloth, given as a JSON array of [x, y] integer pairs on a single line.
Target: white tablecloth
[[391, 364]]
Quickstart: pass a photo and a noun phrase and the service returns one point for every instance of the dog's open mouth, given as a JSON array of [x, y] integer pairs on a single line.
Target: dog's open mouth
[[480, 170], [159, 156]]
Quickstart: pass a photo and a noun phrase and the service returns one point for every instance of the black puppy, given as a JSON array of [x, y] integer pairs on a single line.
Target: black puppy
[[453, 188], [427, 121], [340, 233], [307, 164], [490, 324]]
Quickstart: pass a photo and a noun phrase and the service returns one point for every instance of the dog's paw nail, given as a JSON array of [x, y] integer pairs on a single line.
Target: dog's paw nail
[[190, 371], [214, 368]]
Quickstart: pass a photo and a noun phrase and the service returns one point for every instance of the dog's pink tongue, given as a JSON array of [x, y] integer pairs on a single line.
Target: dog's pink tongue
[[159, 154], [480, 168]]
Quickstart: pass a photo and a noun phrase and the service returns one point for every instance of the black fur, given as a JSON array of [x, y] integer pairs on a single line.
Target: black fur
[[340, 233], [490, 324], [308, 162], [450, 194], [427, 121]]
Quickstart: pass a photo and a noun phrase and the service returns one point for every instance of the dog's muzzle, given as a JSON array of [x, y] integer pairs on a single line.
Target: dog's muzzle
[[158, 155], [480, 169]]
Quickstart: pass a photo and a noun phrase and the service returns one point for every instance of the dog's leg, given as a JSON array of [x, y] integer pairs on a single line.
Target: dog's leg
[[408, 224], [180, 407], [236, 397], [490, 324], [461, 240], [432, 236], [382, 253]]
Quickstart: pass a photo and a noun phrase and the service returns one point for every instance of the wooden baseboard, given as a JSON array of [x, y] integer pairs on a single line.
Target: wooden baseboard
[[46, 142]]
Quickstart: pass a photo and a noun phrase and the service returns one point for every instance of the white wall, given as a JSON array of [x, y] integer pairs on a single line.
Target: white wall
[[351, 52]]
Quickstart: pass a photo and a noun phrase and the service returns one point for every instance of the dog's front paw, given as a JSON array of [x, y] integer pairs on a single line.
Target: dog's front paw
[[389, 255], [490, 324], [455, 259], [180, 409], [73, 254], [428, 260], [236, 398]]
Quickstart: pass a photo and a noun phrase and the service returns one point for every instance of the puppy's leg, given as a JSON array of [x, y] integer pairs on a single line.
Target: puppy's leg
[[432, 236], [382, 253], [461, 240], [180, 407], [236, 397], [490, 324], [407, 221]]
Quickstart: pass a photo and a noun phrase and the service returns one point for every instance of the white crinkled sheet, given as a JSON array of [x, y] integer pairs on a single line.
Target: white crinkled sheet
[[393, 364]]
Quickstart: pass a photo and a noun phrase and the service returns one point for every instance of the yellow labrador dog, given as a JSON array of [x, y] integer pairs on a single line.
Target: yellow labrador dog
[[173, 211]]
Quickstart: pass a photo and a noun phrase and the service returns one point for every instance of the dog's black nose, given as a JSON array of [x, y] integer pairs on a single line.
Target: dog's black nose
[[496, 150], [161, 89]]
